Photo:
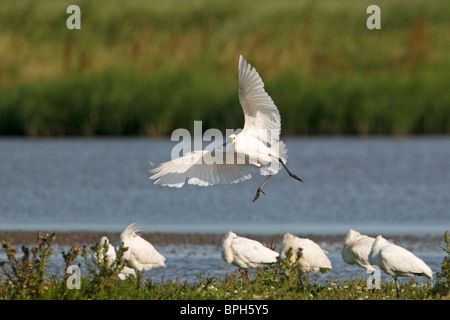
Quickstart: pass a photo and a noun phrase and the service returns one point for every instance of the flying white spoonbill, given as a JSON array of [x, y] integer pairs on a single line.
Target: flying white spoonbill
[[258, 144], [246, 253], [397, 261]]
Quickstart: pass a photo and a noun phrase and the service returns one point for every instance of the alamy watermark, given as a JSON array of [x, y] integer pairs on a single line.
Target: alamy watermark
[[74, 20], [187, 145], [374, 21], [260, 147], [74, 280]]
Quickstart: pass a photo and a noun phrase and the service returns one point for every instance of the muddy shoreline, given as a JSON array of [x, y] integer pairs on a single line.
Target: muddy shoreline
[[164, 239]]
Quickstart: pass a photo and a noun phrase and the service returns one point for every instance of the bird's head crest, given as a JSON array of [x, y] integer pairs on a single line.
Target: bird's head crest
[[131, 230]]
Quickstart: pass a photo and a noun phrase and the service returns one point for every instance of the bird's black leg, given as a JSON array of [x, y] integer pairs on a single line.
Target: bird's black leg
[[260, 188], [291, 174], [302, 282], [243, 273], [397, 284], [140, 276], [373, 284]]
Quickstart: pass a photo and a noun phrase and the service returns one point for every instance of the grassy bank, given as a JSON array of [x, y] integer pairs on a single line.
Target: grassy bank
[[263, 286], [23, 275], [149, 67]]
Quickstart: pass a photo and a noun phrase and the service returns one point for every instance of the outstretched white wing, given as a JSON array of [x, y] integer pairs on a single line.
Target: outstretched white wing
[[197, 168], [259, 109], [262, 120]]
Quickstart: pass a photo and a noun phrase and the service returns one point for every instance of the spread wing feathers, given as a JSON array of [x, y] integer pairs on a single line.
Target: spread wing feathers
[[197, 168], [252, 253], [259, 109]]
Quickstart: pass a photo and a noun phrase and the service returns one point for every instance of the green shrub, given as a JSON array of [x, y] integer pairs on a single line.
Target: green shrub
[[26, 276], [443, 277]]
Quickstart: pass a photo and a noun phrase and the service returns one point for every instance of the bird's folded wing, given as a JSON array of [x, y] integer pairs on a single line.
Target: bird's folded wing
[[197, 168], [146, 254], [253, 251], [259, 109], [400, 260]]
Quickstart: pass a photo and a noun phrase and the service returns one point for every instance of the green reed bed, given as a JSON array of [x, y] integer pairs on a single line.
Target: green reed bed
[[149, 67]]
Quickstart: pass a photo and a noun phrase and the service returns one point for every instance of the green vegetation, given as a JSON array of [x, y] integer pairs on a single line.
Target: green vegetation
[[443, 277], [25, 277], [149, 67]]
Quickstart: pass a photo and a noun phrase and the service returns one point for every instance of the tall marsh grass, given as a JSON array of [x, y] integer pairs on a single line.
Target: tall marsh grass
[[149, 67]]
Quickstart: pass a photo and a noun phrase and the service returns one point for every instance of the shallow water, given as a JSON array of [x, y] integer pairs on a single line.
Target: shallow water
[[389, 186], [187, 263], [191, 261], [374, 185]]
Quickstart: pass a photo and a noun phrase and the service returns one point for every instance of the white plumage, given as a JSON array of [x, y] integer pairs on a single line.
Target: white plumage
[[246, 253], [126, 272], [112, 255], [356, 249], [397, 261], [258, 144], [141, 255], [313, 259]]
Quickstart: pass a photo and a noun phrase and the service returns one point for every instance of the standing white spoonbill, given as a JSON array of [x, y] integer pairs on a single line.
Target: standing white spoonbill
[[141, 255], [102, 256], [312, 259], [246, 253], [397, 261], [356, 249], [110, 256], [258, 144]]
